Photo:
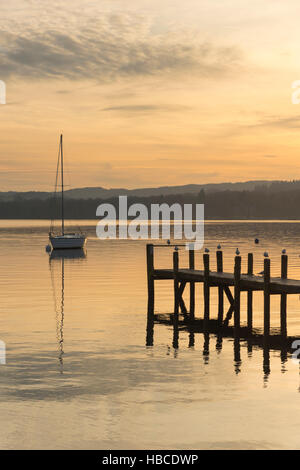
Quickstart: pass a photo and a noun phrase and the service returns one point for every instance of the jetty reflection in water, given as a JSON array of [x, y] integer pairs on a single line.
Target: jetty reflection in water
[[60, 257], [214, 336]]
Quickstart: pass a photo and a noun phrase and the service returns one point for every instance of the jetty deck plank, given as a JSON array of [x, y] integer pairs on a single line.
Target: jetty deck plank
[[163, 274], [278, 285]]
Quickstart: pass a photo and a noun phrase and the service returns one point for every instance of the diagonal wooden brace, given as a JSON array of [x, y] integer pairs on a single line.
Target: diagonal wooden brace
[[181, 301], [231, 308]]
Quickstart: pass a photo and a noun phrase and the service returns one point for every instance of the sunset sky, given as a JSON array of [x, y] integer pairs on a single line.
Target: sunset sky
[[149, 92]]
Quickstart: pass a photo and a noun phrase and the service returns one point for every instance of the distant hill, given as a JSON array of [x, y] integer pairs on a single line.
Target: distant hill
[[256, 200], [248, 200], [103, 193]]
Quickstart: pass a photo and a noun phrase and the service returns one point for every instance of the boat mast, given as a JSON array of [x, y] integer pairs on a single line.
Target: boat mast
[[62, 185]]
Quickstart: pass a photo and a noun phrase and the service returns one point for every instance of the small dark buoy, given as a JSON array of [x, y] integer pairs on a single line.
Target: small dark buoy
[[48, 248], [206, 250], [168, 242], [283, 251], [237, 251], [219, 247], [176, 248], [256, 241], [266, 254]]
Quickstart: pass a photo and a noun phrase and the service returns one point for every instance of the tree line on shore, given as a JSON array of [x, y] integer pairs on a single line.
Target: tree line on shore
[[261, 203]]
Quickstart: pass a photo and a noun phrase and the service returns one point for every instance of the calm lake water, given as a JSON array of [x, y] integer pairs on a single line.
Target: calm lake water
[[78, 372]]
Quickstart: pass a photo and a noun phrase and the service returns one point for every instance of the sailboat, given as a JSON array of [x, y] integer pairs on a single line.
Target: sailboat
[[64, 240], [56, 259]]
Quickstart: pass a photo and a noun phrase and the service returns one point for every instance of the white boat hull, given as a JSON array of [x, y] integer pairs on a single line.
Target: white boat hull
[[63, 242]]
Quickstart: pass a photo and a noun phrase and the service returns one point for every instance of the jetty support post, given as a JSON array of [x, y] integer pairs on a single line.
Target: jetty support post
[[266, 362], [150, 278], [283, 297], [206, 290], [237, 294], [219, 255], [267, 270], [192, 284], [176, 286], [250, 295]]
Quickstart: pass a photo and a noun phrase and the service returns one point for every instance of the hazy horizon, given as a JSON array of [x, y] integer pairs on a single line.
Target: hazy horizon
[[133, 188]]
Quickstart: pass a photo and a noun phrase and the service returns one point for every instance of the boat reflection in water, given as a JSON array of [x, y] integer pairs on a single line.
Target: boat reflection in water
[[69, 253], [57, 259]]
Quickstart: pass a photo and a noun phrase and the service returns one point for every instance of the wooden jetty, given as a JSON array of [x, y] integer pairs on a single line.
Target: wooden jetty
[[229, 285]]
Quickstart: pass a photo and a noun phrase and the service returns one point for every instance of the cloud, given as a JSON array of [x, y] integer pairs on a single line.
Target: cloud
[[105, 50], [280, 122], [146, 108], [248, 161]]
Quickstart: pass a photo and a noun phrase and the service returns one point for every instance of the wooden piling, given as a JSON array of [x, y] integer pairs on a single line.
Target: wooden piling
[[219, 254], [250, 295], [206, 290], [192, 298], [192, 284], [266, 362], [150, 330], [219, 341], [267, 297], [283, 297], [206, 347], [176, 285], [191, 339], [237, 355], [175, 342], [237, 294], [150, 278]]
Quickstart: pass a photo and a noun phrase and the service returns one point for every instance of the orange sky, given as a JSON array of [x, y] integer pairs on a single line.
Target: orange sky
[[149, 92]]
